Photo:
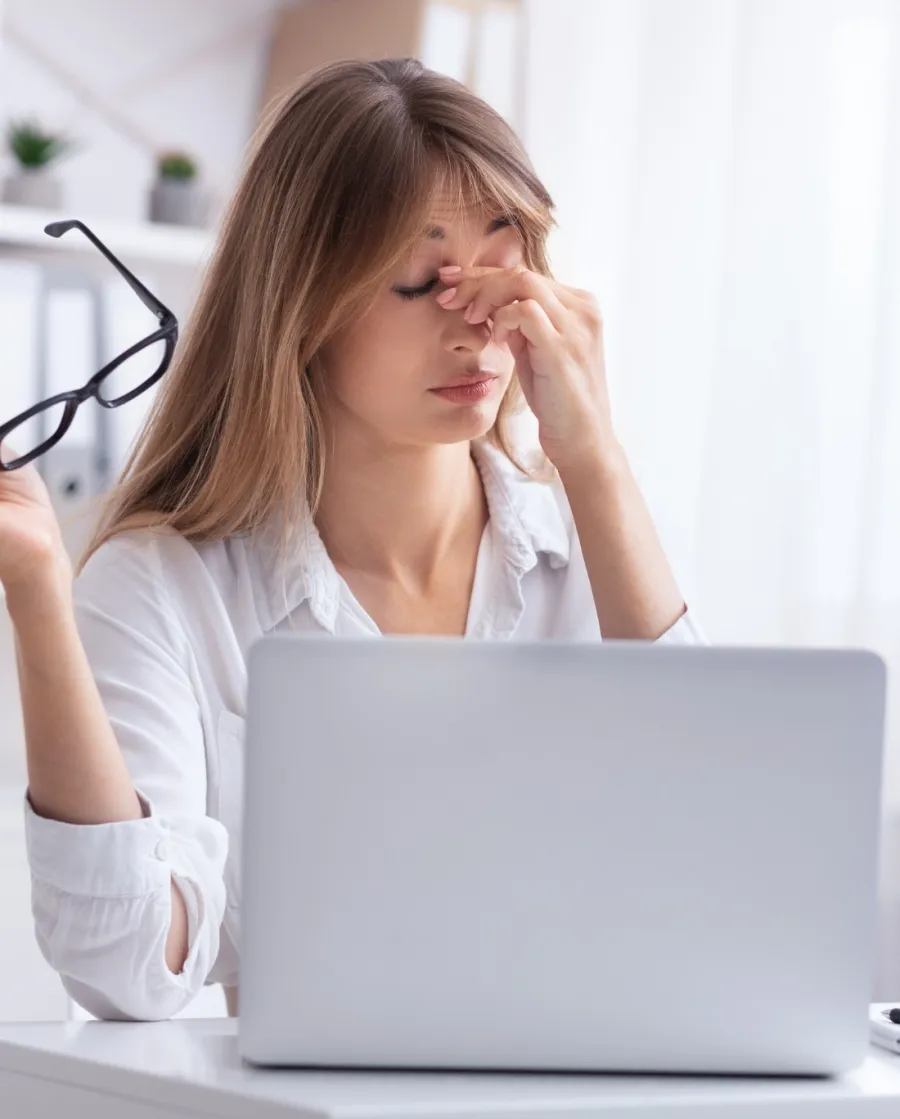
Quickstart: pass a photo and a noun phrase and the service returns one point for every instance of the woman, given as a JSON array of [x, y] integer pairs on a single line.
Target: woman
[[331, 452]]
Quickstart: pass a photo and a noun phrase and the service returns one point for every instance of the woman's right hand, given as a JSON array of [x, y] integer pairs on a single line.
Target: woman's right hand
[[31, 543]]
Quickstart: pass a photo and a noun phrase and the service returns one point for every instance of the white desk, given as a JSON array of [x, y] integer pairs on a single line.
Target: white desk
[[186, 1069]]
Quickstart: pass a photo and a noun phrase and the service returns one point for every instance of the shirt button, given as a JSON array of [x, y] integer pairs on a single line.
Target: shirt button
[[164, 850]]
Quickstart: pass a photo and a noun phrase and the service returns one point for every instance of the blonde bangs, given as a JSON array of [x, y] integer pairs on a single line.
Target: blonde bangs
[[473, 180]]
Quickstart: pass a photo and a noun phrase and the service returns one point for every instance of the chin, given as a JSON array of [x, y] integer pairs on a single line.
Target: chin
[[465, 423]]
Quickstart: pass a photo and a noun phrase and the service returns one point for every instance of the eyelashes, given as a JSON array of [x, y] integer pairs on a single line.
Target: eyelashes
[[417, 293]]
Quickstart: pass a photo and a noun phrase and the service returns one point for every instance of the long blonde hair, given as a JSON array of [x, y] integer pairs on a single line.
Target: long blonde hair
[[334, 194]]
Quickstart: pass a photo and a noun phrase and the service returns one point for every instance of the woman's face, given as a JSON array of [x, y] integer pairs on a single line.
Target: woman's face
[[392, 372]]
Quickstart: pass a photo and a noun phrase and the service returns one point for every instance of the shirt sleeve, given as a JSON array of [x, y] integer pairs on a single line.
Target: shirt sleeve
[[101, 894], [686, 631]]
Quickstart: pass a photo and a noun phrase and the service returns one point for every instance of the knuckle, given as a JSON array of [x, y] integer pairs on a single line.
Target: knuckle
[[528, 281], [592, 310]]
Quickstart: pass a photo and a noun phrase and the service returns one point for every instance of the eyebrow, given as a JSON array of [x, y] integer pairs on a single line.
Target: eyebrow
[[435, 233]]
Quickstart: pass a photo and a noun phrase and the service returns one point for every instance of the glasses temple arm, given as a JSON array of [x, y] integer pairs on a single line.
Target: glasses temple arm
[[58, 228]]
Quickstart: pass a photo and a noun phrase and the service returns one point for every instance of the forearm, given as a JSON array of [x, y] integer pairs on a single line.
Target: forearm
[[635, 592], [76, 772]]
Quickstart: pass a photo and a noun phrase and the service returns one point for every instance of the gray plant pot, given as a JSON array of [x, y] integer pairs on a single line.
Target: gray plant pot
[[176, 202], [33, 188]]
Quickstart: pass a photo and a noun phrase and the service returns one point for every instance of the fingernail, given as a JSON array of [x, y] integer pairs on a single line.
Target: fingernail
[[447, 296], [450, 269]]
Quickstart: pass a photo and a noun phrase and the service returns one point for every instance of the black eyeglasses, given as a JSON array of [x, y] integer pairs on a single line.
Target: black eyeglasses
[[121, 380]]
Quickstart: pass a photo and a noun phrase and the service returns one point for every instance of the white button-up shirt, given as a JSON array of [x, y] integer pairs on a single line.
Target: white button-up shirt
[[167, 626]]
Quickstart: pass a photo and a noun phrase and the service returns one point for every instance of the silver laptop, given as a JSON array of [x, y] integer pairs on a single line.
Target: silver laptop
[[624, 857]]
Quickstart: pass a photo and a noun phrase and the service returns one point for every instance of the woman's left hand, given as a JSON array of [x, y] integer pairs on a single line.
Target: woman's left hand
[[555, 334]]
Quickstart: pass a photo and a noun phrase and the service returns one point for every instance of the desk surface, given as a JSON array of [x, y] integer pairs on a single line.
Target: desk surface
[[192, 1068]]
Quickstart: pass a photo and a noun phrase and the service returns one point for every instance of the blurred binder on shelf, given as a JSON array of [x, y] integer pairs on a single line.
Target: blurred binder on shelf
[[19, 308], [47, 346], [127, 321], [68, 354], [71, 352]]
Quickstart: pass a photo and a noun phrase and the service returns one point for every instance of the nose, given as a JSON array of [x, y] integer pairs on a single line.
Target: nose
[[462, 337]]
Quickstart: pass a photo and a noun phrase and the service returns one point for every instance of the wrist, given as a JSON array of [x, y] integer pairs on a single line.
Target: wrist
[[601, 465], [47, 590]]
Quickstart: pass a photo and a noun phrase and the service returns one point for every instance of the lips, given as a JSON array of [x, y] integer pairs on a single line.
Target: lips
[[469, 390], [468, 379]]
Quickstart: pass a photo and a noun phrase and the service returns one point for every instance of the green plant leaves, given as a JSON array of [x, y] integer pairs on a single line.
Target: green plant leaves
[[32, 146], [176, 165]]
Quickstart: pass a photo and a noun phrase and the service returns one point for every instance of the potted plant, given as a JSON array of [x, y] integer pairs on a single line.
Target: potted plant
[[175, 197], [34, 151]]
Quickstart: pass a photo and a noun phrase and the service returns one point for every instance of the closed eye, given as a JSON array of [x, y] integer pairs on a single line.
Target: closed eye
[[417, 293]]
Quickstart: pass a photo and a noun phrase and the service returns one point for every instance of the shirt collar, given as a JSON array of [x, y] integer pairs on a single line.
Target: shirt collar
[[525, 514], [526, 519]]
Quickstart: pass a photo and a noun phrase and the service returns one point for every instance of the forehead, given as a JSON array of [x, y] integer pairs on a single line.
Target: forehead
[[450, 215]]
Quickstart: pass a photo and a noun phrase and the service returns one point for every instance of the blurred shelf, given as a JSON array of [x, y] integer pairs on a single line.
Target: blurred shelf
[[170, 244]]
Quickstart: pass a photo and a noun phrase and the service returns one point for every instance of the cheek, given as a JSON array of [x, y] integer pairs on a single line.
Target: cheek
[[395, 341], [384, 350]]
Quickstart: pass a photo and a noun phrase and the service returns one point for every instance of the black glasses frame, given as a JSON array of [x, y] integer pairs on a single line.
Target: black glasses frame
[[168, 331]]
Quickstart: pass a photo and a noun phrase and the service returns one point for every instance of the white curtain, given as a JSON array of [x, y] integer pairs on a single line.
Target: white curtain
[[727, 174]]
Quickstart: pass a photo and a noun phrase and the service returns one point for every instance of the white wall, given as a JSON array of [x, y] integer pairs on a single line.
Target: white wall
[[180, 75]]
